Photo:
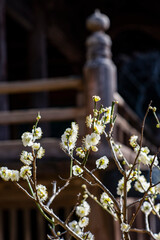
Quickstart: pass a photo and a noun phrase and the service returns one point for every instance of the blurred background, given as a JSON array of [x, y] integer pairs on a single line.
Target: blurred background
[[46, 66]]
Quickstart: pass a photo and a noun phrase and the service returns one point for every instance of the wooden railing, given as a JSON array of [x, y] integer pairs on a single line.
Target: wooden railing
[[51, 84], [127, 122]]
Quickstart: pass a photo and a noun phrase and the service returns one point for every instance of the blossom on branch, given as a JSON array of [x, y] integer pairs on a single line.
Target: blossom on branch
[[102, 163], [77, 170]]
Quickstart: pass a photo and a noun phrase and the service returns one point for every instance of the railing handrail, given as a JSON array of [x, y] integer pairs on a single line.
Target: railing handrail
[[37, 85], [48, 114]]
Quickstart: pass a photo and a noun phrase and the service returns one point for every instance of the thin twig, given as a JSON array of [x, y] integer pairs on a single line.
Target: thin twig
[[141, 140], [73, 210], [58, 192], [24, 190]]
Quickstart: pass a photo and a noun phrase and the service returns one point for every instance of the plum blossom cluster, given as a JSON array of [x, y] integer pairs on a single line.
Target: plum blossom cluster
[[69, 138], [144, 157], [131, 173], [131, 176], [82, 211], [28, 158], [101, 117]]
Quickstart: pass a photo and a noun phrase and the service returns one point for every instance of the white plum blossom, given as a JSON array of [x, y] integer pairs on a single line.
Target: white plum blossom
[[117, 149], [26, 157], [125, 227], [107, 116], [27, 139], [69, 138], [36, 146], [151, 158], [89, 121], [141, 184], [157, 236], [120, 188], [133, 141], [94, 148], [88, 236], [73, 224], [99, 127], [106, 200], [75, 227], [80, 152], [15, 176], [37, 133], [143, 158], [42, 192], [91, 140], [102, 162], [77, 170], [136, 149], [145, 150], [146, 208], [40, 152], [5, 173], [83, 222], [25, 172], [83, 209], [96, 98]]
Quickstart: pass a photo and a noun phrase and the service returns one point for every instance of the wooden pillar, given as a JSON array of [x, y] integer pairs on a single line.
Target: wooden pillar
[[38, 57], [4, 130], [99, 70]]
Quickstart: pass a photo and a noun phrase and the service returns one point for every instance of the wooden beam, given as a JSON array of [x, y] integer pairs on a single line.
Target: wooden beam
[[65, 45], [49, 114], [20, 11], [38, 85], [51, 146]]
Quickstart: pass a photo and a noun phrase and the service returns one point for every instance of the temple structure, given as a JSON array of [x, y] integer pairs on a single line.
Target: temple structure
[[45, 67]]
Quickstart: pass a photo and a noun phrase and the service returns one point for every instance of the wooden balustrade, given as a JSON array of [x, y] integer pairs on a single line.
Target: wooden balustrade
[[50, 84]]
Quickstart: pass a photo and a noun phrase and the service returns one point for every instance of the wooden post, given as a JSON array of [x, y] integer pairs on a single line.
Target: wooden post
[[4, 130], [99, 70]]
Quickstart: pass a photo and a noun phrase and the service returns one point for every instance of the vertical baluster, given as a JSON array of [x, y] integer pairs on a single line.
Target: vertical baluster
[[27, 224], [41, 227], [13, 224]]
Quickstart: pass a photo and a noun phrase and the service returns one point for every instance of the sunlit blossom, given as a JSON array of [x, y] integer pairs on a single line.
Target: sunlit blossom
[[125, 227], [77, 170], [83, 222], [40, 152], [26, 157], [102, 162], [25, 172], [83, 209], [27, 139], [146, 208], [42, 192]]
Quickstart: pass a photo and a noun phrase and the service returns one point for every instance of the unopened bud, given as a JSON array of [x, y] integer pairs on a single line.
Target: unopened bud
[[84, 186]]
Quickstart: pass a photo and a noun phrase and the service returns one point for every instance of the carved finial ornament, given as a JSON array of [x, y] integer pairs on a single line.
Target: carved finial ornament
[[98, 22]]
